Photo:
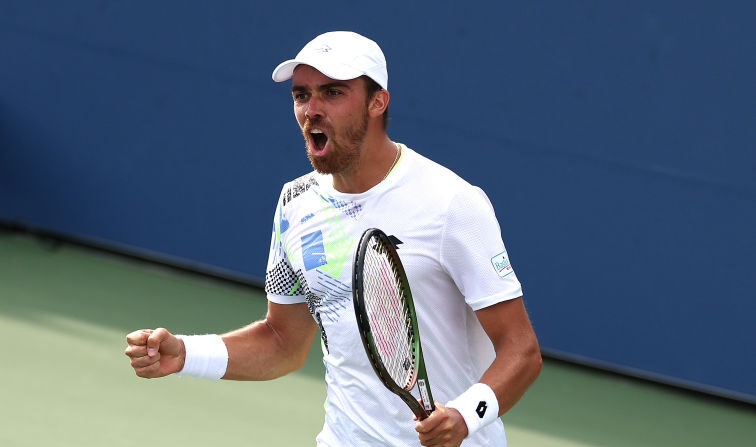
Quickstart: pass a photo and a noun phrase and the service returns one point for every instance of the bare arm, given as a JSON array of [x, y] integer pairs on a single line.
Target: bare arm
[[272, 347], [515, 368], [518, 357], [263, 350]]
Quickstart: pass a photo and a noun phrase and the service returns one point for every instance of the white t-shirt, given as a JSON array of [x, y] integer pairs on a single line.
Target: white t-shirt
[[456, 263]]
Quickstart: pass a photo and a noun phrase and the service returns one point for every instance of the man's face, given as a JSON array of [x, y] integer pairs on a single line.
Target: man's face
[[333, 117]]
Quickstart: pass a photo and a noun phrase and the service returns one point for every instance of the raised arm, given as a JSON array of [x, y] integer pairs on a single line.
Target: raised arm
[[263, 350]]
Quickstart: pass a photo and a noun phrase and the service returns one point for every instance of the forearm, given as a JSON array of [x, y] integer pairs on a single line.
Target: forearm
[[516, 366], [518, 357], [260, 352]]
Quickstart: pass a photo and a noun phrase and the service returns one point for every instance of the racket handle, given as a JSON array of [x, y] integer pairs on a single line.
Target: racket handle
[[425, 397]]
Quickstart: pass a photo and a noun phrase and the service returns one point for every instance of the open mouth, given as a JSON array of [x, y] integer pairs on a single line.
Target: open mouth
[[319, 139]]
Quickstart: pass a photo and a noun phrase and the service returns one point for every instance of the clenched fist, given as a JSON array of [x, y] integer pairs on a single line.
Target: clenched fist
[[155, 353]]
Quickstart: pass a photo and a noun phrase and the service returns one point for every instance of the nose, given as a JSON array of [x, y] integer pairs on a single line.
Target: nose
[[313, 110]]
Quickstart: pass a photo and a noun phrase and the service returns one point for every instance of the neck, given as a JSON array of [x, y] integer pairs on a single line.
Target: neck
[[376, 159]]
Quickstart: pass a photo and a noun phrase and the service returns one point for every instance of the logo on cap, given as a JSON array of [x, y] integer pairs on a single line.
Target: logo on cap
[[322, 49]]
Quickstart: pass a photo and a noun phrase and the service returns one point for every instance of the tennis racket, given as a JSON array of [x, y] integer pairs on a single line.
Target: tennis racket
[[387, 321]]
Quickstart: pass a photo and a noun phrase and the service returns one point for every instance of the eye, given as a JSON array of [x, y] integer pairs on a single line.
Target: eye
[[299, 96], [333, 92]]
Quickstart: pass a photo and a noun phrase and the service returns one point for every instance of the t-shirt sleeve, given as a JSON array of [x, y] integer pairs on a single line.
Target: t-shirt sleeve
[[282, 284], [473, 253]]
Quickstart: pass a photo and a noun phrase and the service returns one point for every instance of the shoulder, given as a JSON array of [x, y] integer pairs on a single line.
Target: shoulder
[[438, 181], [295, 188]]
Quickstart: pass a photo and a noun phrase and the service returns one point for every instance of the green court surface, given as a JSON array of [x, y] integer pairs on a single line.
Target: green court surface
[[64, 380]]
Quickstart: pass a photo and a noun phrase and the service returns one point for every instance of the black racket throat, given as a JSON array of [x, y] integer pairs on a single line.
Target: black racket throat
[[387, 320]]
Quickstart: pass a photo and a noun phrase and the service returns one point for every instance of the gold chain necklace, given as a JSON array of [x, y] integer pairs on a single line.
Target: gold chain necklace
[[396, 159]]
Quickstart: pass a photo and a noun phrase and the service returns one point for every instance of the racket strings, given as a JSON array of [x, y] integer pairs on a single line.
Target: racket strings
[[388, 316]]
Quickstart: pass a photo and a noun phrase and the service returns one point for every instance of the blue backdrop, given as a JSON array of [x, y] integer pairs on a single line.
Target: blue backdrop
[[615, 139]]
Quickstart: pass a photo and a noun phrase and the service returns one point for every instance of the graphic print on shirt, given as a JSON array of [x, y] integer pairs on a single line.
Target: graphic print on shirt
[[323, 253]]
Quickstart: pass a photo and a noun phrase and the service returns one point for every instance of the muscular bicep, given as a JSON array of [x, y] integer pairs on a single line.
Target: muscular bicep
[[272, 347], [292, 323], [506, 322]]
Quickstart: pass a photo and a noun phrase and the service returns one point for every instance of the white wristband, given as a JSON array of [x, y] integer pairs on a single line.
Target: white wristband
[[206, 356], [478, 406]]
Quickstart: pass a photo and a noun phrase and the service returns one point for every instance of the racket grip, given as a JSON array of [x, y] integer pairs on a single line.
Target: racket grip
[[425, 397]]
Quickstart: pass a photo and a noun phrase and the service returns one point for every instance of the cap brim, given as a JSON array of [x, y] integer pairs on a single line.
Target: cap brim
[[285, 70]]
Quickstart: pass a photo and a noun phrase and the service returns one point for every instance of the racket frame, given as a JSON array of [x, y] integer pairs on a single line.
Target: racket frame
[[423, 410]]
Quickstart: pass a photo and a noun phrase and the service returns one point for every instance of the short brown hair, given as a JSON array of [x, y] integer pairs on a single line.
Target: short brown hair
[[371, 87]]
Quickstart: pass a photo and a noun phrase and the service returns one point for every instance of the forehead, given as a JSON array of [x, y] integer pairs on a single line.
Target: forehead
[[307, 76]]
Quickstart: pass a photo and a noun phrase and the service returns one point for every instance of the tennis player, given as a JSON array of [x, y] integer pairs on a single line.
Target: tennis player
[[480, 350]]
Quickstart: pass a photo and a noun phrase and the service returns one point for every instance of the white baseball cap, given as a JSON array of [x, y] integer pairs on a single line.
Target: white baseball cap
[[341, 55]]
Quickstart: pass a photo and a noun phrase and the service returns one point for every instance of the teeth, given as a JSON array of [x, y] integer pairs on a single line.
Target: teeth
[[316, 131]]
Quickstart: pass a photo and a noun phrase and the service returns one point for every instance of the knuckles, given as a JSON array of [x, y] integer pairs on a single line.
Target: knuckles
[[144, 366], [147, 372], [135, 351]]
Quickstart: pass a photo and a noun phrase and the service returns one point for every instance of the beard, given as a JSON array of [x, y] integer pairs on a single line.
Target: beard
[[344, 146]]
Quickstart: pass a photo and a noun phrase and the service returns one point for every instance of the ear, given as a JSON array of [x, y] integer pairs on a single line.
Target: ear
[[378, 103]]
